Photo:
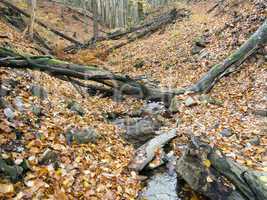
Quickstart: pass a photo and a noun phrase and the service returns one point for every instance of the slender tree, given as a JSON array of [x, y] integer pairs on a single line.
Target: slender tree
[[32, 6], [95, 15]]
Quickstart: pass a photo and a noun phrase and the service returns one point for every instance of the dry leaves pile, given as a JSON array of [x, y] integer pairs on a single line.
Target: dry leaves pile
[[99, 171]]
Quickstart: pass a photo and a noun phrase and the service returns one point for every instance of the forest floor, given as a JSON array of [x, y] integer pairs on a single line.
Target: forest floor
[[99, 170]]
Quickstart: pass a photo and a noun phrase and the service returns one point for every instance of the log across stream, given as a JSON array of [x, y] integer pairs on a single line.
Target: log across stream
[[205, 169]]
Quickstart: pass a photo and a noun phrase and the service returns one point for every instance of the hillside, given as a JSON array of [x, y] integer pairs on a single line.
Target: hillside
[[41, 113]]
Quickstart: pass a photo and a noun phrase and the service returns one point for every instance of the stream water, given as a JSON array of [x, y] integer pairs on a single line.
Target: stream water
[[162, 182], [161, 185]]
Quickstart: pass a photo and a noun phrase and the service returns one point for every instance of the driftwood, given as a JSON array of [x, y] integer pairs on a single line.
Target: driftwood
[[11, 6], [136, 31], [146, 152], [207, 171]]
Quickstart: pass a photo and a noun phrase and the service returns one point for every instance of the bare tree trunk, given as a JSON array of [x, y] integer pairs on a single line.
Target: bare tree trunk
[[33, 5], [95, 15]]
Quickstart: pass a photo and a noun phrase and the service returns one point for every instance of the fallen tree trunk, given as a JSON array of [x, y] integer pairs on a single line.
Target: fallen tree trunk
[[137, 31], [11, 6], [118, 83], [233, 62], [207, 171], [124, 84], [146, 152]]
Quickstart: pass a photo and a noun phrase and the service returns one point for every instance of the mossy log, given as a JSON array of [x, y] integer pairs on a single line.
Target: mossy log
[[233, 62], [207, 171], [123, 84], [118, 83]]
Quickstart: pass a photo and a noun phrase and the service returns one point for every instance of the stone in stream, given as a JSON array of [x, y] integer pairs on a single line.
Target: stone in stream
[[152, 108], [161, 185], [138, 130]]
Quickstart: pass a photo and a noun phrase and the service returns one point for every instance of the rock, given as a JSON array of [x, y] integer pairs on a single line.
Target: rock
[[152, 108], [36, 110], [6, 86], [13, 146], [75, 107], [201, 41], [138, 130], [38, 91], [84, 136], [208, 99], [174, 106], [199, 44], [204, 54], [10, 170], [226, 132], [255, 141], [3, 91], [196, 49], [190, 102], [139, 63], [19, 104], [3, 103], [262, 113], [161, 186], [48, 157], [9, 113]]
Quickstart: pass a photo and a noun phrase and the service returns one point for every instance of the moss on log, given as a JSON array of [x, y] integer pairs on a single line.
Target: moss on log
[[233, 62]]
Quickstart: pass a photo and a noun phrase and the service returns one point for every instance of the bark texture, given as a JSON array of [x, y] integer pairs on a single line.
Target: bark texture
[[146, 152], [233, 62], [209, 172], [120, 84]]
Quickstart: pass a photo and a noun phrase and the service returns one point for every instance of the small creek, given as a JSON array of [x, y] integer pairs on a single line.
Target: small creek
[[139, 127]]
